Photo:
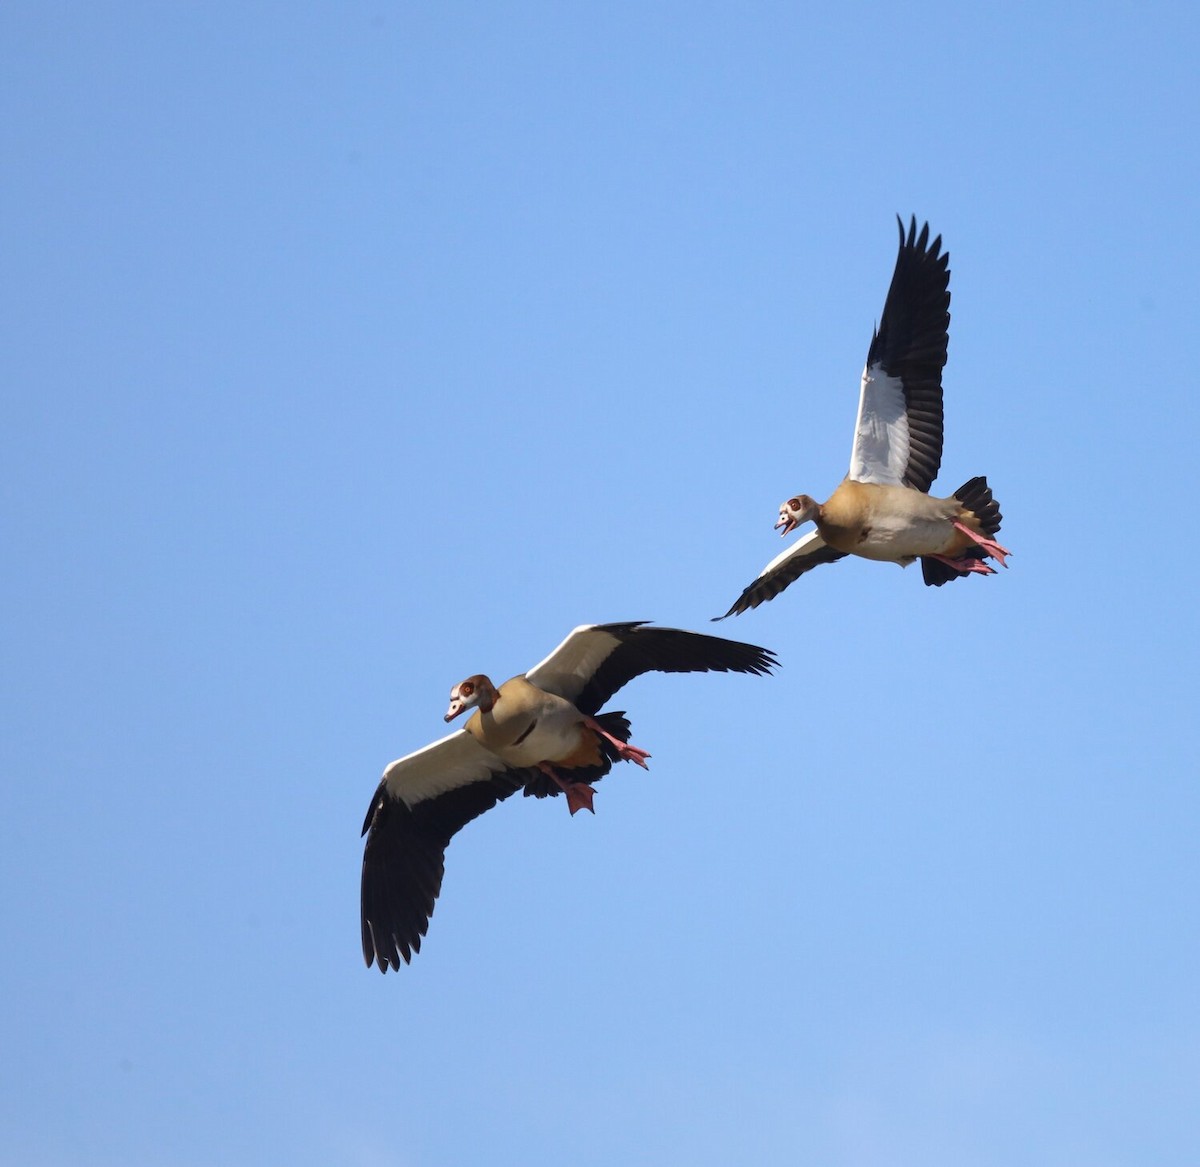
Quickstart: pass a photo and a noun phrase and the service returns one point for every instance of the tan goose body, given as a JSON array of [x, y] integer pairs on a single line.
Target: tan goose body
[[526, 726], [893, 524]]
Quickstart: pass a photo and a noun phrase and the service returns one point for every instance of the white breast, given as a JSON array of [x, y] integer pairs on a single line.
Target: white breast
[[895, 541], [905, 535]]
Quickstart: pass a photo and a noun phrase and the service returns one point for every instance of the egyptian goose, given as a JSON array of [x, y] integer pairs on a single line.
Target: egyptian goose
[[542, 732], [882, 509]]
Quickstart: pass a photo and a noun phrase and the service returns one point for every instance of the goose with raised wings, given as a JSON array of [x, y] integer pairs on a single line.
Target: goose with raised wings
[[543, 732], [882, 509]]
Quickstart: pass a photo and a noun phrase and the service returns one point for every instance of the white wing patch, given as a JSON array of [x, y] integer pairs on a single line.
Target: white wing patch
[[451, 762], [880, 451], [803, 546], [573, 663]]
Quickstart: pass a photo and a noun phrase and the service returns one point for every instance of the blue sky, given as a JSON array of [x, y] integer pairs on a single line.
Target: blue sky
[[352, 349]]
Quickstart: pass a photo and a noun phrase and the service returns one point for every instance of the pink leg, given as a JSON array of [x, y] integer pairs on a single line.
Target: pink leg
[[625, 751], [989, 545], [579, 794], [966, 566]]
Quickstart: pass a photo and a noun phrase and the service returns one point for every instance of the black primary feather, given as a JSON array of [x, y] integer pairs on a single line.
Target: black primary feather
[[645, 649], [912, 342], [404, 861]]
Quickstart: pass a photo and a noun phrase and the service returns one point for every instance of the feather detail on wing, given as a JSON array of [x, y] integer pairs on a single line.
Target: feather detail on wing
[[423, 800], [598, 659], [898, 430], [806, 553]]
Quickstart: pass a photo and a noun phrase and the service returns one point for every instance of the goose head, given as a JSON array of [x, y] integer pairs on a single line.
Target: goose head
[[474, 692], [798, 509]]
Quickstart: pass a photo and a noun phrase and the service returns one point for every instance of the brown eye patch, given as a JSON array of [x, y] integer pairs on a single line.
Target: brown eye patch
[[466, 689]]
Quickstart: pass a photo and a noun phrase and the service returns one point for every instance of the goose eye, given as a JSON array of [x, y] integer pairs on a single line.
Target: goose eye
[[466, 689], [794, 503]]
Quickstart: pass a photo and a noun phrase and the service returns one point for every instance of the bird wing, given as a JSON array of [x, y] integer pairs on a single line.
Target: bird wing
[[898, 431], [806, 553], [421, 802], [596, 660]]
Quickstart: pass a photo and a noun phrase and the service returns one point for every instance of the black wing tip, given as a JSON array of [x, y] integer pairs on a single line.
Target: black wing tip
[[394, 959], [391, 950], [912, 241], [680, 650], [766, 664], [742, 604], [750, 599], [403, 867], [742, 657], [387, 956], [754, 594], [739, 655], [773, 583]]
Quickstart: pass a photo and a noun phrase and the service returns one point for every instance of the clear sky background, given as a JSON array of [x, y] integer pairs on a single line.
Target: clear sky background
[[350, 349]]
